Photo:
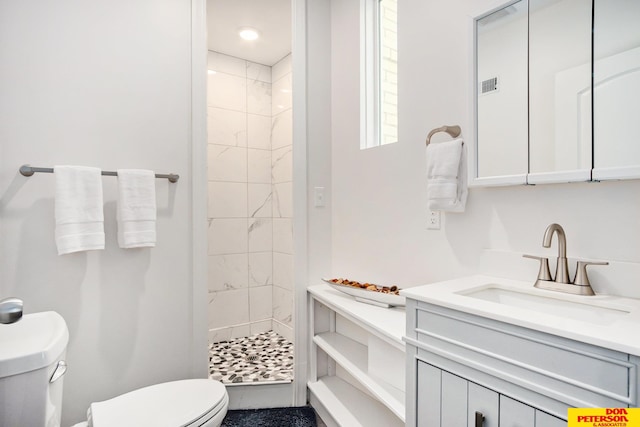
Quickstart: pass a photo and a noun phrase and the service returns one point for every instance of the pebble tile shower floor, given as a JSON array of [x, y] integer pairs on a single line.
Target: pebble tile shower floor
[[259, 358]]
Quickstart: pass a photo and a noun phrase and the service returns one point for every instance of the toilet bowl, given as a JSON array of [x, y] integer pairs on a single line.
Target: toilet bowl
[[32, 369], [186, 403]]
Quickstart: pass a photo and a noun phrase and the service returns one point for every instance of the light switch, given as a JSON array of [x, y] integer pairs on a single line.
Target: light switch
[[318, 197]]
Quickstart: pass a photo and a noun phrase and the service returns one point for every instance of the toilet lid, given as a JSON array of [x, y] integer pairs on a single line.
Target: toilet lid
[[172, 404]]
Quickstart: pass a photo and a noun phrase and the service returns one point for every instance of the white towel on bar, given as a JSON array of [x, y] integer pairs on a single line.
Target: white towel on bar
[[78, 209], [136, 213], [447, 176]]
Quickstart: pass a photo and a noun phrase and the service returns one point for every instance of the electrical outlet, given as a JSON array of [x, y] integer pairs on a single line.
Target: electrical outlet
[[433, 220]]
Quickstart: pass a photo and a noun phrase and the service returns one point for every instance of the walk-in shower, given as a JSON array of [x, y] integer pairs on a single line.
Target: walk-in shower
[[249, 115]]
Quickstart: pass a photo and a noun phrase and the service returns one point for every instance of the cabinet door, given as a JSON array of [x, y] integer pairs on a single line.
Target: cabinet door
[[454, 401], [516, 414], [429, 387], [616, 93], [446, 400], [545, 420], [483, 410]]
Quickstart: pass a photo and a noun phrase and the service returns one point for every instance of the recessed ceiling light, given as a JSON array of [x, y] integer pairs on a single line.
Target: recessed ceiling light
[[248, 33], [211, 72]]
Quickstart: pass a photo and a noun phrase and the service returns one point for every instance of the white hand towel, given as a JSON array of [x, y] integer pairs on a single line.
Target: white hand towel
[[78, 209], [447, 176], [136, 212]]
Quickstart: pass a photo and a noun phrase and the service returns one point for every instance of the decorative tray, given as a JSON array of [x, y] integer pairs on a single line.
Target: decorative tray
[[381, 296]]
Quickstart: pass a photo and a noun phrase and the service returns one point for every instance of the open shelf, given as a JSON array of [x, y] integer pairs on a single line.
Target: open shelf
[[357, 360], [349, 406], [352, 356], [386, 323]]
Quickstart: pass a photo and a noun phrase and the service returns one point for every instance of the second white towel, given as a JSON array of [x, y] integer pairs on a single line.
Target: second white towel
[[447, 176], [136, 214]]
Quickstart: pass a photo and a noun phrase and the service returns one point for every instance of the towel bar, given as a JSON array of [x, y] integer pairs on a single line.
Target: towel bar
[[27, 170], [454, 131]]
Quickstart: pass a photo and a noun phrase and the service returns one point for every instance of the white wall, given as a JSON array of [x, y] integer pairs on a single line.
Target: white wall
[[311, 63], [104, 84], [378, 206], [312, 145]]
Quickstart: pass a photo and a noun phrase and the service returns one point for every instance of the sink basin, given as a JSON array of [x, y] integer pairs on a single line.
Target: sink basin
[[33, 342], [556, 305]]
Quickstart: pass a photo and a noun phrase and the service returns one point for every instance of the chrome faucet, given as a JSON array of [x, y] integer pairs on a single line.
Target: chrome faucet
[[561, 283]]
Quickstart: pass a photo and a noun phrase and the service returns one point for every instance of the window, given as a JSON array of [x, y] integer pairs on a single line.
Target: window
[[379, 71]]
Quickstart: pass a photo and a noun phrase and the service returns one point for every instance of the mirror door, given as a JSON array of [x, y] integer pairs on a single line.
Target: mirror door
[[617, 89], [559, 91], [538, 119], [501, 73]]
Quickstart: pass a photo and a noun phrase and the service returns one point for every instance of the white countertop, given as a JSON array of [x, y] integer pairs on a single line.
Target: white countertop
[[620, 331], [389, 323]]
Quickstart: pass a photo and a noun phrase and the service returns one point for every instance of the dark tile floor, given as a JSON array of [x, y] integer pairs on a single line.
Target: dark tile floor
[[277, 417]]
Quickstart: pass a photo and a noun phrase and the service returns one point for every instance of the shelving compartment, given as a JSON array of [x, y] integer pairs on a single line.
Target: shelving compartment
[[357, 371]]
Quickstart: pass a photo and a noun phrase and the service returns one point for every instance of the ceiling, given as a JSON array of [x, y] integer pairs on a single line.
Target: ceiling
[[272, 19]]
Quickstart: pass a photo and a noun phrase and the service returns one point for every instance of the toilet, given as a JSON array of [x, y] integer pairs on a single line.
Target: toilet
[[32, 369], [185, 403]]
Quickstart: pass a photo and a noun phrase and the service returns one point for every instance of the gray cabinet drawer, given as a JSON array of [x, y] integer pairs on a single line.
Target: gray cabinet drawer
[[572, 372]]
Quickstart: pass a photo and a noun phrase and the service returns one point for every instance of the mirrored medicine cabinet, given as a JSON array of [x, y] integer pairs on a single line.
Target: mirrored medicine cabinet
[[540, 115]]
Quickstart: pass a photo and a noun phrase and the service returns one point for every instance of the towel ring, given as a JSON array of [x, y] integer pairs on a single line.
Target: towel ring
[[454, 131]]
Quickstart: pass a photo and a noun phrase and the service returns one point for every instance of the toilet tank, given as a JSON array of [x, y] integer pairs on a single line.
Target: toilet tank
[[32, 367]]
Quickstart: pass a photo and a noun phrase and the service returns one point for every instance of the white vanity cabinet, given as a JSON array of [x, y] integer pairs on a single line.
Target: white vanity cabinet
[[460, 363], [357, 361]]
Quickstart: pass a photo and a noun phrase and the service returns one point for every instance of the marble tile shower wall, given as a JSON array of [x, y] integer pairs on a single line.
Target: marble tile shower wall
[[282, 174], [249, 174]]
